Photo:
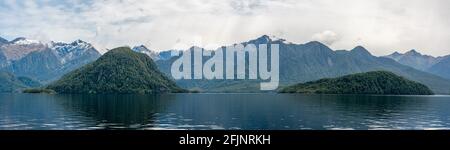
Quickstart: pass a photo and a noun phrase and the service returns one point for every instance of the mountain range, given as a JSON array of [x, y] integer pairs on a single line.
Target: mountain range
[[299, 63], [435, 65], [44, 62]]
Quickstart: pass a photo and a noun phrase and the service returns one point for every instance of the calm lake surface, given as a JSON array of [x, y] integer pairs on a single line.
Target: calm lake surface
[[222, 111]]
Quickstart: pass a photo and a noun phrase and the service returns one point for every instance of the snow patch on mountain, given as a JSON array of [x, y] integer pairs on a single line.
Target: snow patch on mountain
[[20, 47], [276, 39], [269, 39], [25, 41], [143, 49], [69, 51]]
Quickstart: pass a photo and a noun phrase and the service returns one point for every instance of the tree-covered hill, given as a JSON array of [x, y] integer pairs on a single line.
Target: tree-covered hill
[[11, 83], [120, 70], [375, 82]]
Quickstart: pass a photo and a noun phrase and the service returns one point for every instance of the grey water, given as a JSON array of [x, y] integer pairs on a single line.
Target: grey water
[[269, 111]]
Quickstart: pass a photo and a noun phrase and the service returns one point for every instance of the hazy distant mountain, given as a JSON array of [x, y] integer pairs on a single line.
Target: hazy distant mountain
[[442, 68], [435, 65], [45, 61], [11, 83], [312, 61], [165, 55], [415, 59], [3, 60], [120, 70]]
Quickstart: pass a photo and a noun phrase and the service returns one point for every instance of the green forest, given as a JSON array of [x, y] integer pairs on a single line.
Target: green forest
[[375, 82], [120, 70]]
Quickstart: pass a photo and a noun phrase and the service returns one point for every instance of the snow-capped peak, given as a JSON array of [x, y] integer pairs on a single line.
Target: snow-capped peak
[[69, 51], [55, 43], [24, 41], [77, 43], [271, 38], [282, 40], [81, 44], [143, 49], [275, 38]]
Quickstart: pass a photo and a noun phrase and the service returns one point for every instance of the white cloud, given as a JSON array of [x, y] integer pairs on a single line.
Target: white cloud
[[382, 26], [328, 37]]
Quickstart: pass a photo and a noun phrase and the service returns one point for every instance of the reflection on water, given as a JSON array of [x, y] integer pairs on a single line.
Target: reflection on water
[[222, 111]]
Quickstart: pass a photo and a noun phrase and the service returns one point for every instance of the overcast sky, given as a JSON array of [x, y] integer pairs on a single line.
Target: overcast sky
[[382, 26]]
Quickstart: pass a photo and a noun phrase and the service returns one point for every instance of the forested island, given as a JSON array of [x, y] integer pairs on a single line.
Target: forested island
[[120, 70], [375, 82]]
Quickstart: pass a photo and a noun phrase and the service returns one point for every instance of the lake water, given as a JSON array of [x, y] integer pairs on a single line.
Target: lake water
[[222, 111]]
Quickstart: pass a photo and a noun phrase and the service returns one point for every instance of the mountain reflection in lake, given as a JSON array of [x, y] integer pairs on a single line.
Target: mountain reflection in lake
[[222, 111]]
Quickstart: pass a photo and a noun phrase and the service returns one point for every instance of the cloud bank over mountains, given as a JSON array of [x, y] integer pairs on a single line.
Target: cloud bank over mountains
[[382, 26]]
